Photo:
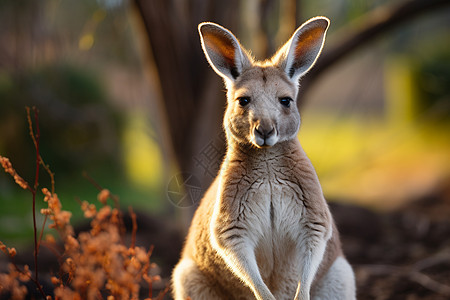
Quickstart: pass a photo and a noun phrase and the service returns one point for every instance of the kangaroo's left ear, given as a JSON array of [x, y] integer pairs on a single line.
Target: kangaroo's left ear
[[300, 53], [223, 51]]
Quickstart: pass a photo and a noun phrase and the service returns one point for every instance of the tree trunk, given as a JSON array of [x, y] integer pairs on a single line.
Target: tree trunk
[[192, 95]]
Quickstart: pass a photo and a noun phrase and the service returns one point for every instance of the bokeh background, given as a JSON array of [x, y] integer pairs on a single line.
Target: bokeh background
[[126, 96]]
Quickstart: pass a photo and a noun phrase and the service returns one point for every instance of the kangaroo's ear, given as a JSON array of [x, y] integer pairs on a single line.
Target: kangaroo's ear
[[223, 51], [300, 53]]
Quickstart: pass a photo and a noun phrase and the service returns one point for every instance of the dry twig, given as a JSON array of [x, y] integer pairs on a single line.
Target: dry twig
[[414, 272]]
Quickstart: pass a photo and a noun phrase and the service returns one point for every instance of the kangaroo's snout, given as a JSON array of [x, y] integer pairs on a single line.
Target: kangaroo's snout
[[264, 134]]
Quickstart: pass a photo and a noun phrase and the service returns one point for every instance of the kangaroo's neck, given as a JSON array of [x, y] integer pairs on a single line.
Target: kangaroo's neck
[[286, 159]]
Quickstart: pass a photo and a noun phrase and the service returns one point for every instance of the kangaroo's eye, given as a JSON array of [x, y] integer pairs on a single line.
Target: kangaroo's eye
[[286, 101], [243, 101]]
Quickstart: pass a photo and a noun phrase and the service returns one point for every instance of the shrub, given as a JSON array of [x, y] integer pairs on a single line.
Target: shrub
[[95, 264]]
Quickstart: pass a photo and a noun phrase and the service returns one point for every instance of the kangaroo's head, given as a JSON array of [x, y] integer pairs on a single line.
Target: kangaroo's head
[[262, 107]]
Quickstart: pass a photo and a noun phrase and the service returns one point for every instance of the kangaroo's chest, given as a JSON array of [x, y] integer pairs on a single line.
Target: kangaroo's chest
[[274, 204], [274, 213], [271, 208]]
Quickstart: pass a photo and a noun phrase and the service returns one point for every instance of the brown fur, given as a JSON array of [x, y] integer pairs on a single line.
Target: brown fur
[[263, 229]]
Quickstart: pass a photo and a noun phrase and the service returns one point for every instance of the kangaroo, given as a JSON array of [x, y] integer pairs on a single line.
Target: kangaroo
[[263, 229]]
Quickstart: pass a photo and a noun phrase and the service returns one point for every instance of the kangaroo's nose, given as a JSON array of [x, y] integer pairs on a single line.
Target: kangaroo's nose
[[264, 132]]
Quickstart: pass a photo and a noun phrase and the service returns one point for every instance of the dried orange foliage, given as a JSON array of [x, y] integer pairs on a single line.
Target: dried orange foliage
[[11, 281], [7, 166], [95, 264]]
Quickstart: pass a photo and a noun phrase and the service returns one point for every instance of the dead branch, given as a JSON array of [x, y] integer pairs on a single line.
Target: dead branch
[[413, 272], [366, 29]]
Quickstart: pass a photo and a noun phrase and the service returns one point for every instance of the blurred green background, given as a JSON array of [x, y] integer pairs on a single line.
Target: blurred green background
[[376, 125]]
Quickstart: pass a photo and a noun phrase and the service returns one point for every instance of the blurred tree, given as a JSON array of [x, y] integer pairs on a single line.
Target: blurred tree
[[52, 56], [366, 29], [192, 97]]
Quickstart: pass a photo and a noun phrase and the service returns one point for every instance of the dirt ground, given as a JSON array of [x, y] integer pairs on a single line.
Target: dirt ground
[[404, 254]]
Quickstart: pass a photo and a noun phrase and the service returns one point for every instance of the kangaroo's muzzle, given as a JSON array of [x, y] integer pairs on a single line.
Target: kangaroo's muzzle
[[264, 135]]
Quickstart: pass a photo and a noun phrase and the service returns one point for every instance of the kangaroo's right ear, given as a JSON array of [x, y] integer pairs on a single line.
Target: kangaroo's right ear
[[223, 51], [300, 53]]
